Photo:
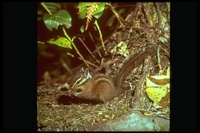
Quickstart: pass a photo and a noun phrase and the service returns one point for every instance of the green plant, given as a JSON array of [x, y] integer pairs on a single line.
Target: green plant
[[58, 17], [89, 9]]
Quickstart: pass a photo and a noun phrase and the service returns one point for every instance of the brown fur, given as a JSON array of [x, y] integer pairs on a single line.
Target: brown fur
[[100, 87]]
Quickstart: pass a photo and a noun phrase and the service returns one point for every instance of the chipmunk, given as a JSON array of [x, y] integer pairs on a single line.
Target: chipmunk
[[100, 87]]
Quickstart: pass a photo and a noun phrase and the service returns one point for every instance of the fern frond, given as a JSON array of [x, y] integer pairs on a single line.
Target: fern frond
[[91, 7]]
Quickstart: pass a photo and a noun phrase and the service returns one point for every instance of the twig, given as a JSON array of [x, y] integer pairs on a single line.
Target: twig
[[81, 59], [76, 49], [88, 49], [65, 66], [159, 65], [115, 12], [100, 34]]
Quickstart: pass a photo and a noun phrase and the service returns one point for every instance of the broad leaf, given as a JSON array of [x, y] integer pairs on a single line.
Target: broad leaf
[[82, 6], [99, 11], [82, 28], [61, 41], [51, 7], [61, 17]]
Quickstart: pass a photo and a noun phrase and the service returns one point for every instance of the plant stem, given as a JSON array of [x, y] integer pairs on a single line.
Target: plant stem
[[100, 34], [65, 33], [42, 3], [115, 12]]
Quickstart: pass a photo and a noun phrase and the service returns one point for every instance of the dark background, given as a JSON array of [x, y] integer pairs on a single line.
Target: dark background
[[20, 66]]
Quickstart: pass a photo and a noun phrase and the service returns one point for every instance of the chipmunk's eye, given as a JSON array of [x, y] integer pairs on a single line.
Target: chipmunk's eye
[[78, 81], [81, 80]]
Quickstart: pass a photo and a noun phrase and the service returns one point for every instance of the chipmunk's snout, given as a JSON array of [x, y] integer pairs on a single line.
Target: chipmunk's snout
[[76, 91]]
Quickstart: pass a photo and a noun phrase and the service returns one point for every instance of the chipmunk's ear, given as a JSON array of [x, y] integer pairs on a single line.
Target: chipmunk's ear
[[87, 73]]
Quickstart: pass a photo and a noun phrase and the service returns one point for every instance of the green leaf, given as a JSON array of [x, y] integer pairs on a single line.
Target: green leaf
[[82, 9], [51, 7], [61, 17], [99, 11], [61, 41], [111, 19], [82, 6], [82, 28], [40, 12]]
